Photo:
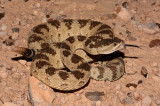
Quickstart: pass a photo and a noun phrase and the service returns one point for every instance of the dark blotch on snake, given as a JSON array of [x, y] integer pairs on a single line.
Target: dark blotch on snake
[[38, 29], [101, 72], [71, 39], [103, 27], [68, 23], [65, 46], [55, 23], [76, 59], [78, 74], [84, 66], [81, 38], [114, 71], [66, 53], [63, 75], [34, 38], [41, 56], [50, 70], [48, 50], [93, 38], [94, 23], [58, 45], [44, 45], [40, 64], [88, 42], [82, 23]]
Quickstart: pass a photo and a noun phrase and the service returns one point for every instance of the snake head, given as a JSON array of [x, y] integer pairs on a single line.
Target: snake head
[[25, 52], [98, 45]]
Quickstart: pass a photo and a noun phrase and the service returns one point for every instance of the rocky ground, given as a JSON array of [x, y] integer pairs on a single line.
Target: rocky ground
[[135, 21]]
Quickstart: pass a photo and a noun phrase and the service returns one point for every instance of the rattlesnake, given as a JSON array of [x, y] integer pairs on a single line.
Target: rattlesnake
[[61, 52]]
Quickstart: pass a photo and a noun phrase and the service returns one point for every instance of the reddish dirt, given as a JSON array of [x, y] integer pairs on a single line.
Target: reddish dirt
[[135, 21]]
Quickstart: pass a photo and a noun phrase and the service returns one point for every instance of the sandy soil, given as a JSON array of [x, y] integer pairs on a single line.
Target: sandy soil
[[137, 22]]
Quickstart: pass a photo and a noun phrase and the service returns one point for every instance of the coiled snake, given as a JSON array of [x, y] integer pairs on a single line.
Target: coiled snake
[[60, 48]]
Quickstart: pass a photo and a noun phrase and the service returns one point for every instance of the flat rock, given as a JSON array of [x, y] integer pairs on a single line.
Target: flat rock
[[146, 101], [40, 94], [94, 96]]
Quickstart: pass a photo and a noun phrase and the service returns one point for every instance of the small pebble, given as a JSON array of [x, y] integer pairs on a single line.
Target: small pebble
[[2, 15], [137, 96], [35, 12], [98, 103], [3, 27], [123, 13], [132, 88], [131, 84], [23, 62], [153, 3], [44, 19], [157, 101], [146, 101], [125, 4], [118, 87], [128, 32], [77, 97], [47, 16], [63, 100], [158, 25], [140, 82], [15, 30], [144, 72], [38, 5], [154, 43], [129, 94]]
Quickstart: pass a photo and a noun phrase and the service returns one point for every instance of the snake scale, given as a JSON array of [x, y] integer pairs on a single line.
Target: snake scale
[[60, 50]]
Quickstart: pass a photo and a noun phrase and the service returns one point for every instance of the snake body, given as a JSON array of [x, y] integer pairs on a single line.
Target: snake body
[[60, 51]]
